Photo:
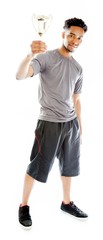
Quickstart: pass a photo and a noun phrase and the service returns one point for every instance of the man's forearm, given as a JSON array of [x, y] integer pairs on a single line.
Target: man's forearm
[[23, 68], [78, 113]]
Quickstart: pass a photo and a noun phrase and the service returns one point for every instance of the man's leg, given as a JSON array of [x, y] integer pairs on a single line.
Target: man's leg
[[66, 184], [24, 211], [67, 205], [28, 185]]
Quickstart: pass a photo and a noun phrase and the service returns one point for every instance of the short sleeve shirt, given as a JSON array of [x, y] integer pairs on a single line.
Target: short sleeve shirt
[[60, 78]]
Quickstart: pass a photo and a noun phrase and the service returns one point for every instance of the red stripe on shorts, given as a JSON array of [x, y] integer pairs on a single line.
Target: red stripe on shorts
[[38, 143]]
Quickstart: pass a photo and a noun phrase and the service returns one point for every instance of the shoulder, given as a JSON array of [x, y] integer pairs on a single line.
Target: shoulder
[[49, 57], [47, 54], [77, 65]]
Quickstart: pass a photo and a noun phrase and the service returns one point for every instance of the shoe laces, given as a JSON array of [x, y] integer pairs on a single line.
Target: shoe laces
[[75, 207]]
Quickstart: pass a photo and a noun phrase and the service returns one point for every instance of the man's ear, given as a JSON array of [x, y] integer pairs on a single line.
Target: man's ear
[[63, 35]]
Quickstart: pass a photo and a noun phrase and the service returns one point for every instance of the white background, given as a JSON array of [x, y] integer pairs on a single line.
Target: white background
[[19, 111]]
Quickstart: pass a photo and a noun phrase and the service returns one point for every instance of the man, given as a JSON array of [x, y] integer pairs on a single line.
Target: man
[[59, 128]]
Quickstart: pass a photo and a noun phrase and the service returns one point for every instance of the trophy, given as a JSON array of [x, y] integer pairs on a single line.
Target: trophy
[[41, 23]]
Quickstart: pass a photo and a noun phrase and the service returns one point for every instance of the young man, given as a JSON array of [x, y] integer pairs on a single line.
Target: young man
[[59, 129]]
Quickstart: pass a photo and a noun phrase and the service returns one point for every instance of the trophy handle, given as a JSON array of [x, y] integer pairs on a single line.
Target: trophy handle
[[49, 21], [33, 17]]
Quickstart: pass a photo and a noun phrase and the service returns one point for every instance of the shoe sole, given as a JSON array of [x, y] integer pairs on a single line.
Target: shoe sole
[[77, 218], [25, 228]]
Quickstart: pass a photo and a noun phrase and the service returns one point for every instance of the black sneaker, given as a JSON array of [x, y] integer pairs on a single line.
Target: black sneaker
[[24, 217], [72, 209]]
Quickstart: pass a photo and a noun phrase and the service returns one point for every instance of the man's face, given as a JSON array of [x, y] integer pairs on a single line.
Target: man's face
[[72, 38]]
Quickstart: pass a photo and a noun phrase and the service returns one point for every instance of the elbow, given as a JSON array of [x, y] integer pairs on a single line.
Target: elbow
[[18, 77]]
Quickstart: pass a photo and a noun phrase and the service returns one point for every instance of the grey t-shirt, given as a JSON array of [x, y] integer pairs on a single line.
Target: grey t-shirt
[[60, 78]]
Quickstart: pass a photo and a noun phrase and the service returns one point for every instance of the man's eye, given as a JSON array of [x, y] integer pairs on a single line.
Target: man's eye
[[71, 35]]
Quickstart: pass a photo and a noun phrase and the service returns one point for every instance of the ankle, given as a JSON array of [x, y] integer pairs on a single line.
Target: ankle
[[23, 204], [66, 201]]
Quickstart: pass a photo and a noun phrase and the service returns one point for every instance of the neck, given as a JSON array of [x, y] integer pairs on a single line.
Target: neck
[[64, 52]]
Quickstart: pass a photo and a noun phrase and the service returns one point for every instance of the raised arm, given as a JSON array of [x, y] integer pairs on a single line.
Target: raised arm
[[25, 69]]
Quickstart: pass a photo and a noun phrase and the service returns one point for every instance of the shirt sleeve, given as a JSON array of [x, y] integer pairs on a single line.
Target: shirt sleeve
[[38, 64], [79, 83]]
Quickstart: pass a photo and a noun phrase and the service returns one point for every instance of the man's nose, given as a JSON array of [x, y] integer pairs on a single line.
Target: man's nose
[[75, 41]]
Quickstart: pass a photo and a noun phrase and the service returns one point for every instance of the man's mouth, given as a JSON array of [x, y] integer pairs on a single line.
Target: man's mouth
[[72, 46]]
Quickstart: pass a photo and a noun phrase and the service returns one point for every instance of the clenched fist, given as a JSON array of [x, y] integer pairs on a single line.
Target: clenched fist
[[38, 47]]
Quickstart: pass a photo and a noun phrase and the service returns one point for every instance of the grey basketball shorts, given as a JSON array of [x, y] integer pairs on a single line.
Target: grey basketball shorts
[[61, 140]]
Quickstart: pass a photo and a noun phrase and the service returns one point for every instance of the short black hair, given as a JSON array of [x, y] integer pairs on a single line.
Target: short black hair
[[75, 22]]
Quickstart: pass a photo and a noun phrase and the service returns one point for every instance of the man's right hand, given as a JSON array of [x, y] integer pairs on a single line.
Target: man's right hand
[[38, 47]]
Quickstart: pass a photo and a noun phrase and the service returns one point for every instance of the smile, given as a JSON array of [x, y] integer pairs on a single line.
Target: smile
[[72, 46]]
